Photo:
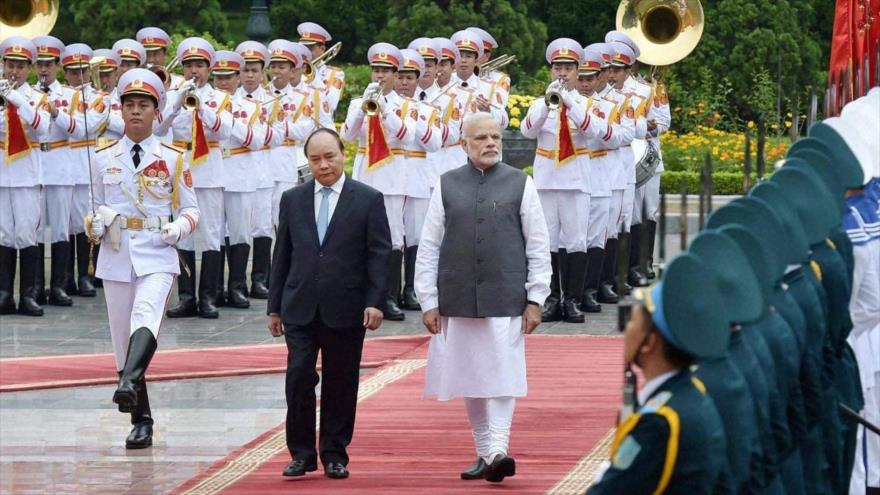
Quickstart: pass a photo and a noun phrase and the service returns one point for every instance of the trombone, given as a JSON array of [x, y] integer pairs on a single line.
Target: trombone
[[164, 71], [494, 64], [312, 67]]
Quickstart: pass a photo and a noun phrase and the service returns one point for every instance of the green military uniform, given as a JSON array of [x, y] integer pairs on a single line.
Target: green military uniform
[[673, 444]]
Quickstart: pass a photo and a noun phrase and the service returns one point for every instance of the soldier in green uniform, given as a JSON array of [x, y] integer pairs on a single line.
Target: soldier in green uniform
[[674, 442]]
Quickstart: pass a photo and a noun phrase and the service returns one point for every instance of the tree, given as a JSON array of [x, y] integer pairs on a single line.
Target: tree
[[111, 21]]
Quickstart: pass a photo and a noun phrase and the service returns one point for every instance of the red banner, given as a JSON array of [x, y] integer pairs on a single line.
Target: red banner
[[17, 143], [378, 153], [200, 147], [565, 145]]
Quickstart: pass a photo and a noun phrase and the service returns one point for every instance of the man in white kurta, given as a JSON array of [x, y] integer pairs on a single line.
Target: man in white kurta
[[478, 306]]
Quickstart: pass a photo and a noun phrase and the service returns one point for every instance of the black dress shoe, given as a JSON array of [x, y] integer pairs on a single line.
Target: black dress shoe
[[636, 278], [141, 436], [475, 471], [392, 311], [86, 289], [551, 310], [589, 303], [571, 313], [502, 467], [58, 297], [7, 303], [28, 306], [607, 294], [335, 470], [299, 467]]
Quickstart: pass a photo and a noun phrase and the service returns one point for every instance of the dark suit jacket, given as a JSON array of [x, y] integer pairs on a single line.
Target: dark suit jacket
[[342, 276]]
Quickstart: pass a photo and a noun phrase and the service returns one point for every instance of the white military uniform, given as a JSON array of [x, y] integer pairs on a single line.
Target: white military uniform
[[261, 168], [58, 167], [332, 85], [473, 87], [247, 136], [602, 171], [20, 178], [389, 177], [84, 116], [656, 108], [138, 268], [208, 176], [622, 187], [452, 109], [428, 139]]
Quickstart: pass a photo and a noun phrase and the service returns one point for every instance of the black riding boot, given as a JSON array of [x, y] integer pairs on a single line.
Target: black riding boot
[[635, 277], [60, 259], [410, 301], [31, 265], [209, 282], [41, 293], [648, 269], [141, 435], [575, 272], [221, 298], [141, 347], [551, 310], [589, 303], [84, 281], [392, 311], [7, 279], [260, 268], [186, 288], [609, 270], [70, 274], [238, 257]]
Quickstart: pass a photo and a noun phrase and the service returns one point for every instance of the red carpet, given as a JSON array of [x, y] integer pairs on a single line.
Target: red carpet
[[30, 373], [406, 444]]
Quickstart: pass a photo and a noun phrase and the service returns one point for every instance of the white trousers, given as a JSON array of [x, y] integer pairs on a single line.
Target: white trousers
[[615, 214], [597, 226], [261, 214], [648, 197], [629, 198], [414, 211], [238, 208], [490, 420], [567, 213], [57, 203], [394, 211], [19, 216], [277, 191], [133, 305], [81, 206], [210, 229]]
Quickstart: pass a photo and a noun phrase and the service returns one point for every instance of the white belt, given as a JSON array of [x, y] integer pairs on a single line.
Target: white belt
[[141, 223]]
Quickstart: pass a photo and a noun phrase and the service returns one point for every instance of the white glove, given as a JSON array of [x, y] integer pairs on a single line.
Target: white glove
[[555, 86], [568, 98], [373, 87], [170, 233], [95, 226], [15, 98]]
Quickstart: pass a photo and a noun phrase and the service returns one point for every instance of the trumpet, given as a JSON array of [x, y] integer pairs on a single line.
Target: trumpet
[[494, 64], [553, 97], [312, 67], [190, 97], [370, 105], [164, 71]]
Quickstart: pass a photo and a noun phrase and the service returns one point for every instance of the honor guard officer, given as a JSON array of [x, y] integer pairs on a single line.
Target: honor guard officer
[[647, 196], [475, 92], [601, 174], [674, 440], [256, 61], [199, 127], [22, 127], [248, 135], [381, 121], [86, 114], [145, 204], [623, 186], [156, 42], [555, 120], [329, 80], [499, 82], [429, 132], [58, 171], [452, 109]]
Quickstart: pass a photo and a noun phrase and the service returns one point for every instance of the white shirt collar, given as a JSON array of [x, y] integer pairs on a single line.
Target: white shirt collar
[[336, 187], [653, 384], [146, 144]]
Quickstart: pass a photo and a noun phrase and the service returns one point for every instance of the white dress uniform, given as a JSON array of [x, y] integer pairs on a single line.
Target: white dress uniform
[[138, 271], [657, 109], [58, 168], [624, 112], [602, 170], [247, 136], [499, 81], [329, 80], [451, 105]]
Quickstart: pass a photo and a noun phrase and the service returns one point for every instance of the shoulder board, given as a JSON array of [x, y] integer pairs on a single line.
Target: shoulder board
[[106, 145], [172, 147], [656, 402]]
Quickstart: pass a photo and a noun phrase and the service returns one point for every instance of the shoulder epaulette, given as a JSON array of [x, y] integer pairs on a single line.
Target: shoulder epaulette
[[106, 145], [173, 147], [656, 402]]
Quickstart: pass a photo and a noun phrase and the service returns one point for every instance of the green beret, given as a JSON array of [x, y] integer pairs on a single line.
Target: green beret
[[736, 281], [797, 237], [758, 258], [811, 200], [819, 162], [759, 225]]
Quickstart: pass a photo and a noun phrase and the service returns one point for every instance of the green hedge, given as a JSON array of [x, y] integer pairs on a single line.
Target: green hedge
[[723, 183]]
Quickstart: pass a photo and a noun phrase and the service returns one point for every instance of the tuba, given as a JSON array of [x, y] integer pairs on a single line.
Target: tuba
[[164, 71], [28, 18], [665, 31], [312, 67]]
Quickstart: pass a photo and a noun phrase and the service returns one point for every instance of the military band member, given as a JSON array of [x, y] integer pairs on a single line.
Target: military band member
[[673, 442], [475, 91], [499, 82], [429, 51], [429, 134], [304, 55], [131, 55], [647, 196], [145, 205], [156, 42], [559, 174], [452, 107], [601, 174], [623, 186], [22, 127], [58, 172], [247, 135], [200, 130], [381, 122], [329, 80], [86, 114]]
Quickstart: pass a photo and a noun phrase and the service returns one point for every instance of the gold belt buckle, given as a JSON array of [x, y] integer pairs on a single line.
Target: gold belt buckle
[[135, 224], [45, 146]]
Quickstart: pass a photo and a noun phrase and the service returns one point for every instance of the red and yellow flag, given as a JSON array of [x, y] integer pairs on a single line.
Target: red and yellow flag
[[564, 142], [199, 142], [17, 144], [378, 153]]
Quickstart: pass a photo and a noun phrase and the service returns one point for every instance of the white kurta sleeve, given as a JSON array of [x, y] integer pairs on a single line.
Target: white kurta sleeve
[[428, 257], [537, 244]]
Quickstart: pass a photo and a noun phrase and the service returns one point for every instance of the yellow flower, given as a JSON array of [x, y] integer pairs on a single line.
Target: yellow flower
[[788, 123], [788, 115], [515, 112], [751, 124], [514, 122]]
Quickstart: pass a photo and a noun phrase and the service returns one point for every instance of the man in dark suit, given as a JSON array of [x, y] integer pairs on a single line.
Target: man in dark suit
[[327, 287]]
